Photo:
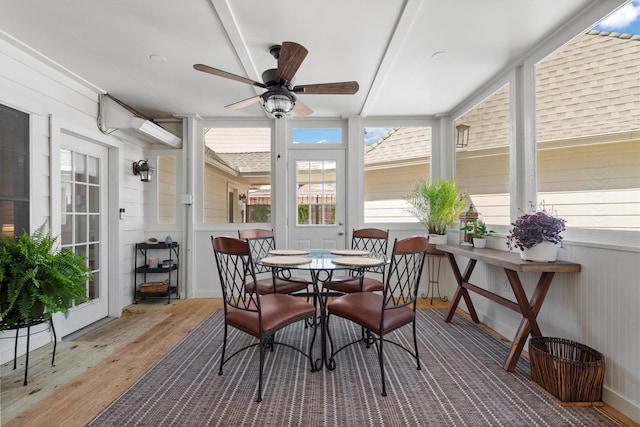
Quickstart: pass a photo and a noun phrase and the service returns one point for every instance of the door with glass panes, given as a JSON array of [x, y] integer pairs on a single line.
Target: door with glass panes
[[316, 199], [83, 210]]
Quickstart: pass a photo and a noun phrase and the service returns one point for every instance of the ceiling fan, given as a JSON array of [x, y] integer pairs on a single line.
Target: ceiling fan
[[280, 96]]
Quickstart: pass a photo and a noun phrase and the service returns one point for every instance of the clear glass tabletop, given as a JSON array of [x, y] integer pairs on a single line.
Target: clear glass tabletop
[[323, 259]]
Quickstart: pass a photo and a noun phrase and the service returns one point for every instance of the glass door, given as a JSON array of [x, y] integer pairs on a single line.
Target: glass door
[[316, 198], [83, 167]]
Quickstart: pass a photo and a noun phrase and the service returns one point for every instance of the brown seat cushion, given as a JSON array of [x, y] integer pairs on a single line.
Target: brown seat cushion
[[265, 286], [278, 310], [365, 308], [348, 285]]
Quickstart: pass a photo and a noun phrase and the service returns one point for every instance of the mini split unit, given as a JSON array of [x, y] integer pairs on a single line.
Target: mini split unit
[[114, 115]]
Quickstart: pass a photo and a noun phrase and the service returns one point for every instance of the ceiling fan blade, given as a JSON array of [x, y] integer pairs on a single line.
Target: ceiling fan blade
[[291, 56], [301, 109], [338, 88], [227, 75], [243, 103]]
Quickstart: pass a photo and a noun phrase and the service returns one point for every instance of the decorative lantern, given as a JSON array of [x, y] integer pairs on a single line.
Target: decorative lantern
[[462, 136], [466, 218], [142, 169]]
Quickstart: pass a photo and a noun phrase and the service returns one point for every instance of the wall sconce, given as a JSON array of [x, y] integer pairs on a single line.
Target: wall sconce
[[462, 136], [242, 197], [143, 169]]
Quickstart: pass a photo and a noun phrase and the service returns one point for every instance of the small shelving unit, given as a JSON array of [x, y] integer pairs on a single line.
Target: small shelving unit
[[159, 279]]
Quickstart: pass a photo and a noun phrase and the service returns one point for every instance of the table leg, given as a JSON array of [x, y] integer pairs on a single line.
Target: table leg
[[529, 310], [460, 290], [323, 360]]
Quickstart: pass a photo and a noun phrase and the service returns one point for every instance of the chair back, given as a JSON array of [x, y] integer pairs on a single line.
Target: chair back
[[405, 270], [261, 242], [235, 265], [373, 240]]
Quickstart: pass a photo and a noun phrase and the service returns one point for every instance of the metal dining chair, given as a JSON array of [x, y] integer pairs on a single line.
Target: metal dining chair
[[258, 315], [261, 242], [375, 241], [380, 314]]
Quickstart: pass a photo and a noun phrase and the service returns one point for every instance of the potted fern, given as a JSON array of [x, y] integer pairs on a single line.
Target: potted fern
[[436, 205], [36, 280]]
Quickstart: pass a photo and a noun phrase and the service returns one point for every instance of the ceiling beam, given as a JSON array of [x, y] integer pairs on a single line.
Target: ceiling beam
[[230, 25], [405, 22]]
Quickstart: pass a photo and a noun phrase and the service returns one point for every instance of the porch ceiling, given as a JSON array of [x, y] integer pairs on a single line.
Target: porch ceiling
[[142, 52]]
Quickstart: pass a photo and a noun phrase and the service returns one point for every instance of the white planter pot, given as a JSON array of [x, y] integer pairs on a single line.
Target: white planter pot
[[542, 252], [438, 239], [479, 243]]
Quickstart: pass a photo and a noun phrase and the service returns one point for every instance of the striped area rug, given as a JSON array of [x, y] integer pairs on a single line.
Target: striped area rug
[[461, 383]]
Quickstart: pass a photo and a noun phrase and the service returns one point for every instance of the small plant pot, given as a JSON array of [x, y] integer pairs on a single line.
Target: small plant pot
[[479, 243], [438, 239]]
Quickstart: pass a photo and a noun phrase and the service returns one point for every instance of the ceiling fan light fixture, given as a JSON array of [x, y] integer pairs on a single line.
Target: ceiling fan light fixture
[[278, 102]]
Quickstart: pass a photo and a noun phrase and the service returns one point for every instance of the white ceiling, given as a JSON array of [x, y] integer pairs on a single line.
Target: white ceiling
[[385, 45]]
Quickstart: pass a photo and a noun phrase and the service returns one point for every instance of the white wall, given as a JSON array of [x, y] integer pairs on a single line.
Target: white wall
[[55, 103]]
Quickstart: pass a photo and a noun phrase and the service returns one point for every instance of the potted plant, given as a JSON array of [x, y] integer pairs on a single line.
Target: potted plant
[[436, 205], [36, 280], [479, 232], [537, 235]]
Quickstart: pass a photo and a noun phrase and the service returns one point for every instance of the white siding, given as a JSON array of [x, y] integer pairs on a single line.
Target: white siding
[[30, 86]]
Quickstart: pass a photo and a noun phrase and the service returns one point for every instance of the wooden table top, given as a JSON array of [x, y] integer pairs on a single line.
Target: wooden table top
[[509, 260]]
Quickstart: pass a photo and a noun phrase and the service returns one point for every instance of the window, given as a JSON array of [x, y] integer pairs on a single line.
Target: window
[[237, 175], [166, 189], [317, 135], [14, 171], [81, 186], [587, 131], [316, 192], [394, 159], [482, 166]]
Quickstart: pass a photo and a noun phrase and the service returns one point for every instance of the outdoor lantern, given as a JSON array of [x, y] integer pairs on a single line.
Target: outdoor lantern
[[466, 218], [462, 136], [143, 169]]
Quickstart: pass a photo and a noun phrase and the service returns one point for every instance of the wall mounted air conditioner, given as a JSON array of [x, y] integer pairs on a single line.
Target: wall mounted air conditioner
[[114, 115]]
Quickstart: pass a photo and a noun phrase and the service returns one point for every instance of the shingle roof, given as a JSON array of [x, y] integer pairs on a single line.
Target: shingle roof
[[400, 144], [589, 87]]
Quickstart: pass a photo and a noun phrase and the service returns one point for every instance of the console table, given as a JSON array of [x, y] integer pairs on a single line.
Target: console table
[[512, 265]]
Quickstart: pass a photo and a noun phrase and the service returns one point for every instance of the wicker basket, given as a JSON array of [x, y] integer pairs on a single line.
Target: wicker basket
[[154, 287], [572, 372]]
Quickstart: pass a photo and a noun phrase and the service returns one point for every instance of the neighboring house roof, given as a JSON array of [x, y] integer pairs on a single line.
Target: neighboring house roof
[[248, 163], [589, 87], [244, 149], [400, 145]]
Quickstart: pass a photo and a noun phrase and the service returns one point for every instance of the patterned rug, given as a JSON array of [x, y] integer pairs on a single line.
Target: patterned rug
[[461, 383]]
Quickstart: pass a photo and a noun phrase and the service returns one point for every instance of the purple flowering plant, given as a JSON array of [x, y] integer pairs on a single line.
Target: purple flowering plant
[[535, 227]]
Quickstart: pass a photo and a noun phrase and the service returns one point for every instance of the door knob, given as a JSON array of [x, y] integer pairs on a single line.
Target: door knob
[[340, 233]]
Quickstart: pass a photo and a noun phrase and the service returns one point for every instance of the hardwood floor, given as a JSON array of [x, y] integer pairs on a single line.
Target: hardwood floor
[[92, 370]]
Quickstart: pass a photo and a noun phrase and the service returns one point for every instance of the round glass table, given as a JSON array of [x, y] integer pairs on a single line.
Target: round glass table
[[321, 263]]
